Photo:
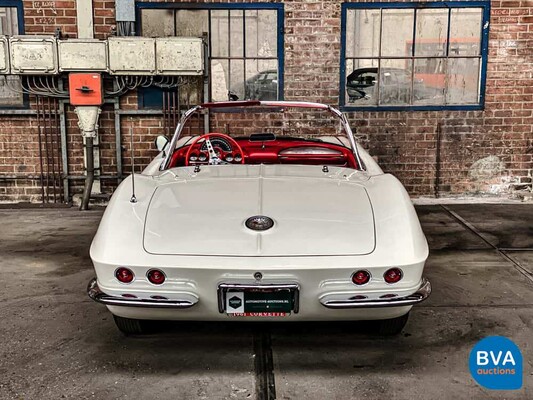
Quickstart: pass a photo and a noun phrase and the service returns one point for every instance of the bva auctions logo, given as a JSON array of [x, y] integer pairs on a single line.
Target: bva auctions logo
[[496, 363]]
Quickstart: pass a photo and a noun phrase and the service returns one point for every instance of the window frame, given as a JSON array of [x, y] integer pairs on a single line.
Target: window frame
[[278, 7], [418, 5], [19, 5]]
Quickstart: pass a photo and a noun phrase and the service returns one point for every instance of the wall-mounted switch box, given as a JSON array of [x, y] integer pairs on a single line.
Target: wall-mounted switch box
[[33, 55], [85, 89], [179, 56], [82, 55], [131, 56]]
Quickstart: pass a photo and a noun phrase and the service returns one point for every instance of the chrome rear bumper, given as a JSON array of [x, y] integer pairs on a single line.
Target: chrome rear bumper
[[97, 295], [420, 295]]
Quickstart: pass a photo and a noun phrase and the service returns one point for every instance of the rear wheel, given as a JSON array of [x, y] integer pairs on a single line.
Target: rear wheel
[[393, 326], [129, 326]]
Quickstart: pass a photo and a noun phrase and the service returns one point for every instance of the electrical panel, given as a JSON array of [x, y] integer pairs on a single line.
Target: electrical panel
[[131, 56], [85, 89], [179, 56], [33, 55], [82, 55], [4, 55], [41, 55]]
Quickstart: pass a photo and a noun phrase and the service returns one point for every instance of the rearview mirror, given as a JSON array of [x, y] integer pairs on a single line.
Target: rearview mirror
[[161, 142]]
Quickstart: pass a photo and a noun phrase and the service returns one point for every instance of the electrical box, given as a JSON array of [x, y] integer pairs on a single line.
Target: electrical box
[[125, 10], [131, 56], [82, 55], [33, 55], [4, 55], [179, 56], [85, 89]]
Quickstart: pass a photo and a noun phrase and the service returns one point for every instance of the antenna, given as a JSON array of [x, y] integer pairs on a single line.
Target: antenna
[[133, 198]]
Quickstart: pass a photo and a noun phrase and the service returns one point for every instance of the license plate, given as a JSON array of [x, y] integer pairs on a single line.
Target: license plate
[[255, 303], [259, 314]]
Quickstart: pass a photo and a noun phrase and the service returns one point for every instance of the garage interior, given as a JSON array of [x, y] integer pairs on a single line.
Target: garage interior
[[441, 96], [59, 344]]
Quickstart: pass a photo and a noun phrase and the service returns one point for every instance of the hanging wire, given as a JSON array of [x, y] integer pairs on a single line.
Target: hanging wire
[[29, 85]]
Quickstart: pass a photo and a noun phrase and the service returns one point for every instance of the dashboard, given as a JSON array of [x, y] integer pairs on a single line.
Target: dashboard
[[264, 149]]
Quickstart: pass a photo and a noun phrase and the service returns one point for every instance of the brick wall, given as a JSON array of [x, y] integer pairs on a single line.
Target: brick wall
[[480, 151]]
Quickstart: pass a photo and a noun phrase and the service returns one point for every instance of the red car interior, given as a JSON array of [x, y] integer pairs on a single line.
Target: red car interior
[[263, 148]]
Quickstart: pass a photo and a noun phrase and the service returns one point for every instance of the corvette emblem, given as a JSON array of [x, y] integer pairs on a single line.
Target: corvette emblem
[[259, 223]]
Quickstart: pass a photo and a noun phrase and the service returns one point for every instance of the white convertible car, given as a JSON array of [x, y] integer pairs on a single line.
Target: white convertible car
[[290, 222]]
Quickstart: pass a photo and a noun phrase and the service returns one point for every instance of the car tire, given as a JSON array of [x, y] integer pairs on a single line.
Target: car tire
[[129, 326], [393, 326]]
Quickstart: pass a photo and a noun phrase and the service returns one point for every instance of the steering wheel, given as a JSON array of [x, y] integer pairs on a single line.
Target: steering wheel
[[236, 154]]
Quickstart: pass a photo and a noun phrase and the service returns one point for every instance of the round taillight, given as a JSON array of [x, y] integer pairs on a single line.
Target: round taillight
[[361, 277], [156, 276], [393, 275], [124, 275]]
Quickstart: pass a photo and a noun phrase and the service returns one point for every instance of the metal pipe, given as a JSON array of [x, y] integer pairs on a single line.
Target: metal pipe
[[64, 149], [57, 133], [437, 162], [46, 148], [52, 146], [165, 130], [118, 138], [40, 148], [90, 174], [174, 109]]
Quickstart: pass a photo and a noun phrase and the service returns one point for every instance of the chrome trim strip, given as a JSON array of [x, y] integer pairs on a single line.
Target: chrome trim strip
[[420, 295], [94, 292], [224, 287]]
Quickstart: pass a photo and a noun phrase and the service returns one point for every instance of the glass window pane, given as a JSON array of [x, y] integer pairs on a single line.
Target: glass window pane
[[362, 33], [236, 47], [463, 81], [191, 22], [236, 78], [395, 82], [10, 97], [261, 80], [429, 81], [157, 23], [397, 32], [361, 82], [431, 32], [8, 21], [261, 33], [219, 80], [220, 33], [465, 31]]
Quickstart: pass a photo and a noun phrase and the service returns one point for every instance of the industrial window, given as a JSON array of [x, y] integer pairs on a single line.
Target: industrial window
[[245, 51], [10, 24], [430, 55]]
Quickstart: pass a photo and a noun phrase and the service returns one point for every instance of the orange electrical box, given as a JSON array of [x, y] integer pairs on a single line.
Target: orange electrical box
[[85, 89]]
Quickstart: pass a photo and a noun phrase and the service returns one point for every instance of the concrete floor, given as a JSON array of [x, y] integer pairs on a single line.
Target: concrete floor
[[56, 343]]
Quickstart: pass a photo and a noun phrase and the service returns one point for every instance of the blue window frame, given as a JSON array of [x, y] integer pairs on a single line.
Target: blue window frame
[[414, 55], [11, 23], [245, 48]]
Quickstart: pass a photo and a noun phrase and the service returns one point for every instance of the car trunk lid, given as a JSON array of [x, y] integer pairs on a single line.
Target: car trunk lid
[[313, 216]]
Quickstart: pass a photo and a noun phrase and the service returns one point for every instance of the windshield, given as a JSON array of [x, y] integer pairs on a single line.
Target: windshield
[[254, 132]]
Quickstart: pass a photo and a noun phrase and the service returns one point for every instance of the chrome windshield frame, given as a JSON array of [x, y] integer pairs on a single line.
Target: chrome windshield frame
[[267, 104]]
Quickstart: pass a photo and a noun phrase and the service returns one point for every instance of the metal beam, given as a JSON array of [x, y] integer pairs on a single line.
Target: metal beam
[[84, 14]]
